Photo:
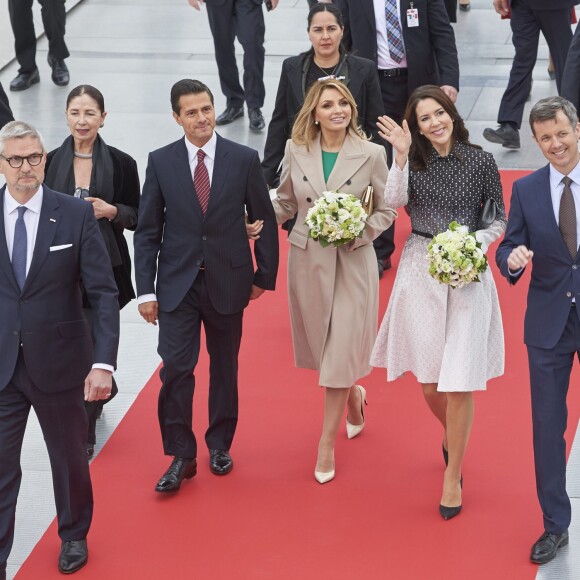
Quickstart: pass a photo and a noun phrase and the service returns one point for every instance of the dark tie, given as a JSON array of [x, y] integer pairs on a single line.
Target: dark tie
[[19, 248], [568, 218], [394, 35], [201, 181]]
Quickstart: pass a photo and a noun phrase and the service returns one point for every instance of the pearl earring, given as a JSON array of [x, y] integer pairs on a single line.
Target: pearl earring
[[316, 121]]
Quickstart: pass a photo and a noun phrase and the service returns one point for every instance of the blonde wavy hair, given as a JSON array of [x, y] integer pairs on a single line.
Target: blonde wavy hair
[[304, 130]]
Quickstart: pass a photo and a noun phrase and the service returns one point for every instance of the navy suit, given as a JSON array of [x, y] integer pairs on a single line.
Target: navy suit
[[551, 328], [47, 353], [201, 270]]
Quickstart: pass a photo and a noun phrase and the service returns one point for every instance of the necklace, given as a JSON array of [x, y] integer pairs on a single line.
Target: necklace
[[83, 155], [325, 72]]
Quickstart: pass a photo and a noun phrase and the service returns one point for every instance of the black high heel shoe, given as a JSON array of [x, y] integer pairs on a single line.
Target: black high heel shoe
[[449, 512]]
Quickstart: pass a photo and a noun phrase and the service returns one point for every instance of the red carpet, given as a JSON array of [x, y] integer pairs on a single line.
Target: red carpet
[[270, 520]]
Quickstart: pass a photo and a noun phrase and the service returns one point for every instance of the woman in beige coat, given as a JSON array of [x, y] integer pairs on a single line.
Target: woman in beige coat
[[332, 292]]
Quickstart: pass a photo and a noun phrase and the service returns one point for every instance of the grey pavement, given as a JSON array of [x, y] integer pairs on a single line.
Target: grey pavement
[[134, 50]]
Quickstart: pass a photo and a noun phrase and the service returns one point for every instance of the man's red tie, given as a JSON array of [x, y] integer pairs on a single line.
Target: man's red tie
[[201, 181]]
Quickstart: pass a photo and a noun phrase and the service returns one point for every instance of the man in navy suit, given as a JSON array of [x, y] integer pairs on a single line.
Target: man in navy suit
[[544, 228], [193, 265], [48, 243]]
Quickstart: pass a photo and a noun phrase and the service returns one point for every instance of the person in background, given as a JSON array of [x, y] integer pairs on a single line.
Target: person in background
[[244, 20], [450, 339], [107, 178], [332, 292], [54, 22], [5, 111], [405, 56]]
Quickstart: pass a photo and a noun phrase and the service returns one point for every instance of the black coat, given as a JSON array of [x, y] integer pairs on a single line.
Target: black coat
[[361, 79], [571, 76], [5, 112], [126, 198], [430, 47]]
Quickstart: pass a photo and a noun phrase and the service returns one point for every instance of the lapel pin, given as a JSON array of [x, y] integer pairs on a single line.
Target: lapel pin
[[53, 220]]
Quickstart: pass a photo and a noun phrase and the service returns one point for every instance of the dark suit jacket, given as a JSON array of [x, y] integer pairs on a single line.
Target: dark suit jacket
[[173, 239], [361, 79], [571, 75], [555, 279], [126, 197], [430, 47], [5, 111], [47, 316]]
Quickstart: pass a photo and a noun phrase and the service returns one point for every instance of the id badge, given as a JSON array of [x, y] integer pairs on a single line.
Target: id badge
[[412, 17]]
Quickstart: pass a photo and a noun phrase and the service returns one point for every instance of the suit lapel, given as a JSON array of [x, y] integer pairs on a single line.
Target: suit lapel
[[350, 159], [310, 163], [5, 262], [184, 176], [48, 223]]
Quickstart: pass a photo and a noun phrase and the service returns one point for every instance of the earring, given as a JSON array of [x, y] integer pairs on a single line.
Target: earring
[[316, 122]]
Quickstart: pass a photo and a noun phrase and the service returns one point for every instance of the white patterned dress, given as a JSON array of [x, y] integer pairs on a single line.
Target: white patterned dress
[[452, 337]]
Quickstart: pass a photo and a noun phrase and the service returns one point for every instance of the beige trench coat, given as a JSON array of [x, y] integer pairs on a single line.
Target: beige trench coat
[[333, 292]]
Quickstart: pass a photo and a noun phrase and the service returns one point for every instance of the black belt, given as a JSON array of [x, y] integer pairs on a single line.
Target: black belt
[[394, 72], [422, 234]]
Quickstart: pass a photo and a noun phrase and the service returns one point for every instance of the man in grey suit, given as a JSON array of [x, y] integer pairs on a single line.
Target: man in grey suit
[[48, 243], [193, 266], [244, 20]]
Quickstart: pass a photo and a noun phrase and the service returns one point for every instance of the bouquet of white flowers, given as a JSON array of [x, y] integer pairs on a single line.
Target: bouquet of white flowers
[[336, 218], [455, 257]]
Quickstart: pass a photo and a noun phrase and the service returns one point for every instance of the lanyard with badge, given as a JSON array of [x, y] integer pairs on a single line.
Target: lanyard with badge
[[412, 17]]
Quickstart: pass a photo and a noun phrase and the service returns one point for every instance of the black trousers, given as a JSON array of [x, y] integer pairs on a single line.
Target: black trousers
[[395, 93], [549, 380], [63, 422], [526, 25], [95, 408], [54, 21], [179, 344], [243, 19]]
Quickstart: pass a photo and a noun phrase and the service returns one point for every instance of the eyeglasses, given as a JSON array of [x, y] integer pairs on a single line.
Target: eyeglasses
[[16, 162]]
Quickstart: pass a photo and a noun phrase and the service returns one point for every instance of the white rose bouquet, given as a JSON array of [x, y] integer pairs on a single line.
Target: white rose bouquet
[[336, 218], [456, 257]]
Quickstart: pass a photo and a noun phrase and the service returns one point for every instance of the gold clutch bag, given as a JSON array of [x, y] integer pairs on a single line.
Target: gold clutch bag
[[367, 200]]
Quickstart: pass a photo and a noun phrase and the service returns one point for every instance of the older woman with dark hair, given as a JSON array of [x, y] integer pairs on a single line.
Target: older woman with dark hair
[[86, 167], [450, 339]]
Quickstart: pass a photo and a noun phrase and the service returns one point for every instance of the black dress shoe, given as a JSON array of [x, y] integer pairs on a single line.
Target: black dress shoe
[[73, 556], [505, 135], [24, 80], [220, 461], [179, 470], [449, 512], [229, 115], [257, 122], [60, 74], [546, 547]]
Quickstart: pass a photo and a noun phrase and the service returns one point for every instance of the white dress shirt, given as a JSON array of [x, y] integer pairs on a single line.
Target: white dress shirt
[[384, 60], [31, 218], [209, 150]]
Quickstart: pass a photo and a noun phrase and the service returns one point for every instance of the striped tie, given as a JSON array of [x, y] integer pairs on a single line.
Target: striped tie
[[201, 181], [19, 248], [394, 34], [568, 218]]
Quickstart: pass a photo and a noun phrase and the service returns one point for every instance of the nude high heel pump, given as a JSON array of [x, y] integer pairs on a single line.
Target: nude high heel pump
[[325, 476], [353, 430]]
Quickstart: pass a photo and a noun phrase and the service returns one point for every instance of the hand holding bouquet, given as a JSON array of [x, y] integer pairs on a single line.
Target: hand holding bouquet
[[455, 257], [336, 218]]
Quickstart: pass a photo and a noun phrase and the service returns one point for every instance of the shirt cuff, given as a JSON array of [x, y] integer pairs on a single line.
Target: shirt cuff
[[104, 367], [146, 298], [516, 273]]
